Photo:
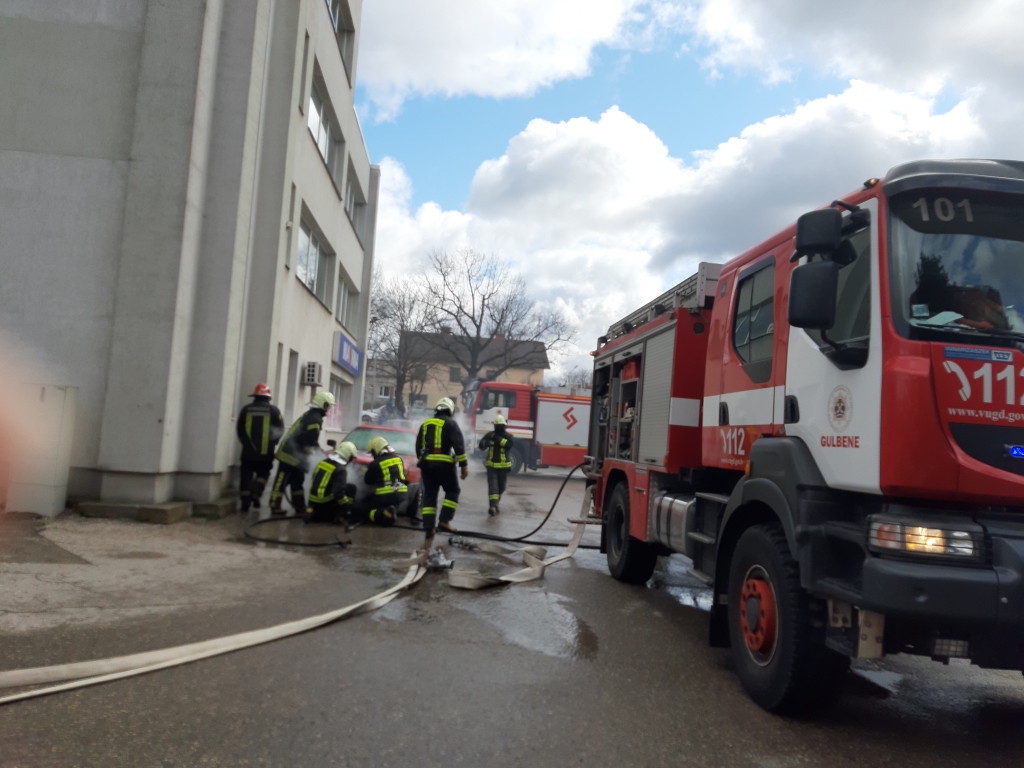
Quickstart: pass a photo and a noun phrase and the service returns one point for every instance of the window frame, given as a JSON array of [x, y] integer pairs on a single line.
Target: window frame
[[327, 135], [340, 14], [318, 282], [759, 370]]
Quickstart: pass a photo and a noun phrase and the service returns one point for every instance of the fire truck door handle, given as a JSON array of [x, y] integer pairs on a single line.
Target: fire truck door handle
[[723, 414], [791, 410]]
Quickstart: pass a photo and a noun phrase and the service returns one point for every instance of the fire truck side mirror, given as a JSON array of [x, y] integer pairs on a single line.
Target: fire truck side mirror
[[812, 295], [819, 232]]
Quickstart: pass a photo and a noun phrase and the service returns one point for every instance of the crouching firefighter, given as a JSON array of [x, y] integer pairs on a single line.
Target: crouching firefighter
[[439, 445], [331, 494], [386, 475], [295, 454], [497, 447], [259, 427]]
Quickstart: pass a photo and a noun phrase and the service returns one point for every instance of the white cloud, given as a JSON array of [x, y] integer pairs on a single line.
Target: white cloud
[[601, 218], [495, 49], [919, 46]]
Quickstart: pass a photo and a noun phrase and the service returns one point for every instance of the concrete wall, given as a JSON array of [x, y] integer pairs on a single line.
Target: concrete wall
[[65, 140], [145, 180]]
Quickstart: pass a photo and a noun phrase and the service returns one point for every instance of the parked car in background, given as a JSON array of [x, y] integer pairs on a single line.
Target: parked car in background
[[403, 440]]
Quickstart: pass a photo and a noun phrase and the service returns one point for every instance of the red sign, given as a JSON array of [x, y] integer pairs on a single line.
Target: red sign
[[571, 420]]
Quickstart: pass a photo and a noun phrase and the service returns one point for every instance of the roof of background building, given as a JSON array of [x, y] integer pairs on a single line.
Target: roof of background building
[[435, 348]]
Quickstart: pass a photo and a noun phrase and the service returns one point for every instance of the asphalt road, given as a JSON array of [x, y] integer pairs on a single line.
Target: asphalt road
[[575, 669]]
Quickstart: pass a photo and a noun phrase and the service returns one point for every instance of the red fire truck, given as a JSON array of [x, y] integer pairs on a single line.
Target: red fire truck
[[831, 427], [549, 425]]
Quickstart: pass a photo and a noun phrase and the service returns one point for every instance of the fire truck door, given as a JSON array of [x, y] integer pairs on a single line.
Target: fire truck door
[[839, 400], [746, 407]]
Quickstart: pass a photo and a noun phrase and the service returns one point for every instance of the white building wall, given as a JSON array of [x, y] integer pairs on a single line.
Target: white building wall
[[145, 185]]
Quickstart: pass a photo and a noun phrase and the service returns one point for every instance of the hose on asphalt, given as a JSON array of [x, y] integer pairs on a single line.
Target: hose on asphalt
[[524, 539]]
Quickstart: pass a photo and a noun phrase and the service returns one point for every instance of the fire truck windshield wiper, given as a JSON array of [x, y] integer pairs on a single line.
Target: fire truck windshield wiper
[[970, 330]]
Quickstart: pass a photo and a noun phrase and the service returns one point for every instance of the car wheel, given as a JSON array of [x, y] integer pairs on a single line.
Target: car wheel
[[775, 630], [629, 560]]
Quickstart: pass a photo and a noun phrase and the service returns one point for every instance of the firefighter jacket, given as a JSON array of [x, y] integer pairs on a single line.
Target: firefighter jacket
[[438, 440], [498, 446], [329, 480], [387, 473], [302, 439], [259, 427]]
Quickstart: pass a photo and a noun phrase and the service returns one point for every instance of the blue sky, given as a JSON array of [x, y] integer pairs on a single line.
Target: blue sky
[[733, 117], [441, 141]]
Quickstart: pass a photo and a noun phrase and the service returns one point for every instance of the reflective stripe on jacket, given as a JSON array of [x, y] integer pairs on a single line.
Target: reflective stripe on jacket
[[498, 445], [440, 440]]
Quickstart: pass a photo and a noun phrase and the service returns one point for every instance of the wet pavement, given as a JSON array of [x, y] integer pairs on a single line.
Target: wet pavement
[[575, 669]]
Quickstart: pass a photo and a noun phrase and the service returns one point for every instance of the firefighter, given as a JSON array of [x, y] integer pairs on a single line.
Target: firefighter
[[439, 445], [330, 493], [259, 427], [387, 477], [295, 452], [497, 445]]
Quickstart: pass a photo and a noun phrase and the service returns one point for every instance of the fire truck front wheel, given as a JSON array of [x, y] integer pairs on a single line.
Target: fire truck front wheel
[[629, 560], [775, 630], [517, 462]]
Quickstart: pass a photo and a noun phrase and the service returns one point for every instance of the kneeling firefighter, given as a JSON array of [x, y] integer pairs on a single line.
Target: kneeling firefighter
[[331, 494], [387, 477], [497, 445], [295, 453], [439, 445]]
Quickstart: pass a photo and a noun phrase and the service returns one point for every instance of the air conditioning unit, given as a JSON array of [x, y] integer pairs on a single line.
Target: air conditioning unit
[[313, 375]]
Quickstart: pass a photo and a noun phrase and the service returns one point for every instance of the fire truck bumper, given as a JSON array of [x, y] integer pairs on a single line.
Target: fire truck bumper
[[925, 601]]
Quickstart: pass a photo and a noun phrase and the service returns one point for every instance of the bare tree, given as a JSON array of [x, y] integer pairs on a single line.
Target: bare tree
[[577, 378], [396, 309], [482, 316]]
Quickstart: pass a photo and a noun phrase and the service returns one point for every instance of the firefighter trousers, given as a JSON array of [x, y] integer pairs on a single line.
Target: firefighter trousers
[[496, 481], [438, 477], [252, 479], [295, 478], [385, 508], [335, 510]]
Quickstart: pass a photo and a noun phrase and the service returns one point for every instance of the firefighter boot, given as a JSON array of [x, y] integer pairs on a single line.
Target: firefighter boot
[[446, 525]]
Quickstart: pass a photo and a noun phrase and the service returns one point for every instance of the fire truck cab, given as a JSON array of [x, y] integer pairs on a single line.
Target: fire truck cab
[[831, 427]]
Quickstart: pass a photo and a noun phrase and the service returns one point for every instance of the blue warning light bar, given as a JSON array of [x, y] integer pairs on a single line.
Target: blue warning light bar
[[1016, 451]]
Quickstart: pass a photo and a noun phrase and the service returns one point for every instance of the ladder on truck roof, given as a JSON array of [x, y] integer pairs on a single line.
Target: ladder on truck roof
[[694, 293]]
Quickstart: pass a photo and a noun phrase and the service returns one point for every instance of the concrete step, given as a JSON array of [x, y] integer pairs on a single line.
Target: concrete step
[[163, 514], [215, 510]]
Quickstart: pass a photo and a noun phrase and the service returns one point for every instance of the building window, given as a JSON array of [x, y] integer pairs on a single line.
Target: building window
[[384, 391], [313, 262], [335, 416], [492, 374], [455, 375], [323, 126], [345, 29], [348, 303], [753, 328], [355, 202], [419, 373]]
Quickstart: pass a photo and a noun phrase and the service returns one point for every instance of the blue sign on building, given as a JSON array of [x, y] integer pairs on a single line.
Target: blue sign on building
[[347, 354]]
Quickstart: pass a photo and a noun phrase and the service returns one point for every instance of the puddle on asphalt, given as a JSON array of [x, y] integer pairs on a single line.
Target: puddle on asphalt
[[535, 619], [673, 576]]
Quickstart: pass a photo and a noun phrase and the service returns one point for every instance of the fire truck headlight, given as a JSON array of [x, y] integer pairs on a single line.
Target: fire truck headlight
[[892, 536]]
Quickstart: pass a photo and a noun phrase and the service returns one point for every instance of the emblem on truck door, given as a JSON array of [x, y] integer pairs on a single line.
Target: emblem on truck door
[[840, 408]]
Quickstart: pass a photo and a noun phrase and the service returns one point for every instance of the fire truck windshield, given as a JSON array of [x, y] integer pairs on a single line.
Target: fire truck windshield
[[957, 264]]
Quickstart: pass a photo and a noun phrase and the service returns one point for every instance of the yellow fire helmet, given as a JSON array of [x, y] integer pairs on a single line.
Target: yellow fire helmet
[[499, 421], [323, 400], [347, 451], [445, 404], [377, 445]]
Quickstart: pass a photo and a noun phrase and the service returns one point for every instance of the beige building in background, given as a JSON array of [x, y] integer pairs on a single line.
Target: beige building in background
[[188, 208]]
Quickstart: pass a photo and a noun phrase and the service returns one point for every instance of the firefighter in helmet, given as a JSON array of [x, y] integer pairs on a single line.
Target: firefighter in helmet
[[330, 493], [497, 448], [386, 475], [439, 446], [295, 454], [259, 427]]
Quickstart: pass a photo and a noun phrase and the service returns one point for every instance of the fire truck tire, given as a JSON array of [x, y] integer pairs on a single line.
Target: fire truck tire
[[517, 462], [629, 560], [775, 630]]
